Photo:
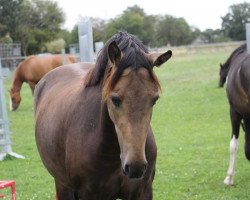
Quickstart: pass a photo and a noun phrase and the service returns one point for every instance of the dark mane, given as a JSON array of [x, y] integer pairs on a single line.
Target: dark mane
[[133, 56], [239, 50]]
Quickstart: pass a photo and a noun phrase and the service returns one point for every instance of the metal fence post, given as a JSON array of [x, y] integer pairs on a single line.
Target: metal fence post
[[248, 36], [85, 34], [98, 47], [64, 62], [5, 142]]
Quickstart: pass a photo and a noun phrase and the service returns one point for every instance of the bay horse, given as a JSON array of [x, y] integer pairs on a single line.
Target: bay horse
[[31, 70], [92, 126], [237, 71]]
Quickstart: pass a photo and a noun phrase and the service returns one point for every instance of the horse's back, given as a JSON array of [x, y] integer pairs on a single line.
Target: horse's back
[[71, 59], [35, 67], [61, 79]]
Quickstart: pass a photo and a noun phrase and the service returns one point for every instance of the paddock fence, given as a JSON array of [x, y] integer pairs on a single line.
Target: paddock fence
[[201, 48], [10, 55]]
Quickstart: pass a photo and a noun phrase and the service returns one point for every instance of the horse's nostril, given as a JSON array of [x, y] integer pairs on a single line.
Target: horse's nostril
[[135, 170]]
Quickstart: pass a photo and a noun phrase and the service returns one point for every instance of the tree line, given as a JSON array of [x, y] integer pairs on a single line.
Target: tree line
[[37, 25]]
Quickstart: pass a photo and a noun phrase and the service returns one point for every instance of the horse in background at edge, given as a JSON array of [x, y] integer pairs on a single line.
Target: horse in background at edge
[[98, 143], [236, 71], [31, 70], [224, 68]]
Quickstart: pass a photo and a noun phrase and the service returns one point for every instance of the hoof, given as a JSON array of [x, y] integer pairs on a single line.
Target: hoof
[[228, 181]]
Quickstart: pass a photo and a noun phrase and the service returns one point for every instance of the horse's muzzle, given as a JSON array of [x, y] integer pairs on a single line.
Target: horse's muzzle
[[135, 170]]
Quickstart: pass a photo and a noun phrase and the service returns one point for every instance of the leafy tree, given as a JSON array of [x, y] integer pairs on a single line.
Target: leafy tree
[[233, 23], [212, 36], [195, 32], [66, 36], [173, 31], [134, 21], [149, 33], [46, 20], [74, 35], [6, 39], [9, 16], [33, 23], [99, 26], [55, 46]]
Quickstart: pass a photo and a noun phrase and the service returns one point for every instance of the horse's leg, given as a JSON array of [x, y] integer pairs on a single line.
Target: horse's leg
[[64, 193], [32, 86], [235, 122], [247, 137]]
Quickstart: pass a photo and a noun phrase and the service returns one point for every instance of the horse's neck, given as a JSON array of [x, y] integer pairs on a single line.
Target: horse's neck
[[109, 142], [17, 81]]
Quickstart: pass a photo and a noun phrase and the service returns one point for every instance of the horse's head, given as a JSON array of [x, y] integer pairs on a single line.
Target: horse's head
[[130, 93], [15, 100], [223, 75]]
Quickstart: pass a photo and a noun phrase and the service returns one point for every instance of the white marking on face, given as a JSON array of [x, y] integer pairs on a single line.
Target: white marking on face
[[231, 169], [11, 105]]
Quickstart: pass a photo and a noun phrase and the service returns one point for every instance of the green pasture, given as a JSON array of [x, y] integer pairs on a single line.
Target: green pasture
[[191, 127]]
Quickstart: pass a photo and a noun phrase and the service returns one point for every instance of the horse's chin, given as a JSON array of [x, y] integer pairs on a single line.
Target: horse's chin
[[12, 108]]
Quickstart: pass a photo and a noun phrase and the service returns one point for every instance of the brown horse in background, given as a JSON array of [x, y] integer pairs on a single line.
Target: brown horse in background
[[98, 143], [31, 70]]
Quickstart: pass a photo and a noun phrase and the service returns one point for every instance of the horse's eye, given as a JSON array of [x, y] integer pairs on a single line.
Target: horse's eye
[[154, 100], [116, 101]]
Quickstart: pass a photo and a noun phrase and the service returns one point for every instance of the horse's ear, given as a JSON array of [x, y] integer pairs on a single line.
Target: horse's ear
[[114, 53], [159, 58]]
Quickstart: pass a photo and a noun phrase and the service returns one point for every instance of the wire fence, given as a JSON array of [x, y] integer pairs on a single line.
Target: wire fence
[[10, 55]]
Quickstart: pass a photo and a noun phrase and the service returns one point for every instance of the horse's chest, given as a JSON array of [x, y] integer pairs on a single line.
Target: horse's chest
[[101, 186], [111, 188]]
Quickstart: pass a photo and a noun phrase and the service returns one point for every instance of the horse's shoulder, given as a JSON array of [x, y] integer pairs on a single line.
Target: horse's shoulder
[[246, 62], [244, 68], [30, 58]]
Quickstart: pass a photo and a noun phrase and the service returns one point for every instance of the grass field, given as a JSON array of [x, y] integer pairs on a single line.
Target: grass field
[[192, 130]]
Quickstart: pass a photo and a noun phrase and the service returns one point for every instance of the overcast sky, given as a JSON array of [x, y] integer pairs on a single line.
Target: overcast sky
[[202, 14]]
